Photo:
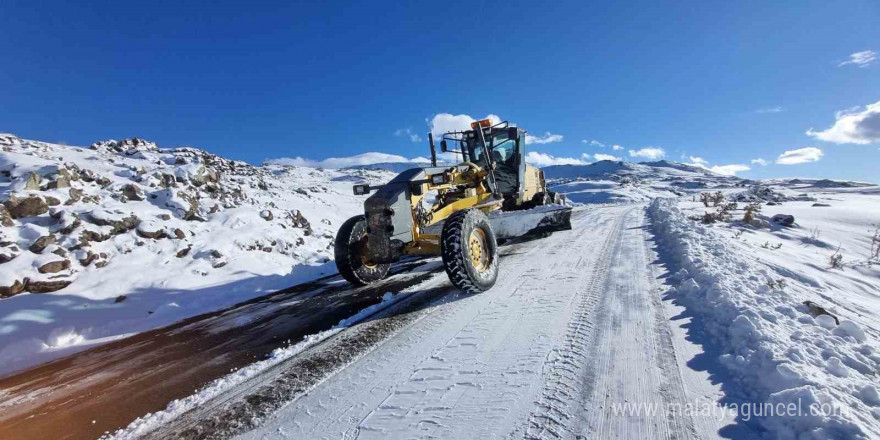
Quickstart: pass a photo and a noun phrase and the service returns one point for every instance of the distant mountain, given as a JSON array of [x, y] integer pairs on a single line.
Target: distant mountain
[[611, 170], [396, 167]]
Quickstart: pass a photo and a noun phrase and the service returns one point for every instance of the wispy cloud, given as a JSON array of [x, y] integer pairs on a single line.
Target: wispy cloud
[[860, 59], [445, 122], [759, 161], [854, 126], [616, 147], [600, 156], [652, 153], [546, 139], [543, 159], [698, 160], [406, 132], [801, 155], [593, 143], [770, 110], [729, 170]]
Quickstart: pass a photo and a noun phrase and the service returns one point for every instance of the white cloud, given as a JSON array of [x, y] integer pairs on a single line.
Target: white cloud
[[770, 110], [616, 147], [860, 59], [729, 170], [801, 155], [698, 161], [759, 161], [652, 153], [600, 156], [543, 159], [546, 139], [405, 132], [342, 162], [593, 143], [854, 126], [445, 122]]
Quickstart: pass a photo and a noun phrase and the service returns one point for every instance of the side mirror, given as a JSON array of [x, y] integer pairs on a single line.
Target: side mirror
[[513, 133], [361, 190], [443, 146]]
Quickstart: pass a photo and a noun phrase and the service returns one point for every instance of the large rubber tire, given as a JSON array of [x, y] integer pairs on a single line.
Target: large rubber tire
[[457, 252], [347, 248]]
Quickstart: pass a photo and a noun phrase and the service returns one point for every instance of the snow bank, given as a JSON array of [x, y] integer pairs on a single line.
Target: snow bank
[[775, 352]]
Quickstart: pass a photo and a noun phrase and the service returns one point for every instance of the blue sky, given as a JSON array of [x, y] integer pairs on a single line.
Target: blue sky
[[727, 82]]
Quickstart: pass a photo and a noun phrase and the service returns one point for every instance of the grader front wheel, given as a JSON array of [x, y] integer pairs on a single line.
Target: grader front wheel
[[469, 251], [352, 258]]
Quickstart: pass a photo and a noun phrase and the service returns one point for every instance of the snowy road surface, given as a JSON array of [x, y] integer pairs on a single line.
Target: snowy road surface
[[574, 329]]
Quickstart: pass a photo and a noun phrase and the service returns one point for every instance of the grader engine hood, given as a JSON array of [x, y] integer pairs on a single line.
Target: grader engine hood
[[389, 215]]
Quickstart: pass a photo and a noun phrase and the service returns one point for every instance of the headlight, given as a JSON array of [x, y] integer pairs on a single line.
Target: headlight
[[439, 179]]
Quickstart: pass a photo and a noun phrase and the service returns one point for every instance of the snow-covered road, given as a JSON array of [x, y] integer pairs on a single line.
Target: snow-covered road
[[574, 328]]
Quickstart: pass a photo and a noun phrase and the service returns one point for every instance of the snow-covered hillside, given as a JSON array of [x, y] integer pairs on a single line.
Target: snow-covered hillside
[[123, 236], [626, 182]]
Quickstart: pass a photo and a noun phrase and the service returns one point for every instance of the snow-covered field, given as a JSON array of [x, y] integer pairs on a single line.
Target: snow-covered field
[[653, 299], [122, 237]]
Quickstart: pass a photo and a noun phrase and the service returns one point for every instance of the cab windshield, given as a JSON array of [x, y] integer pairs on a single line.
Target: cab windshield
[[502, 149]]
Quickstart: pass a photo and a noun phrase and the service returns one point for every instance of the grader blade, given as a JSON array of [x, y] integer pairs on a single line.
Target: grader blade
[[538, 220]]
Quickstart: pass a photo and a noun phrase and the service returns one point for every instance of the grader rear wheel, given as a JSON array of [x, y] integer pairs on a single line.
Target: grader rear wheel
[[469, 250]]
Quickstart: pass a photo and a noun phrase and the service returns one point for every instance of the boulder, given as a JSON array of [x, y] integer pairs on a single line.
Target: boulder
[[783, 219], [46, 286], [52, 201], [821, 205], [267, 215], [5, 217], [204, 175], [62, 181], [11, 290], [150, 229], [119, 222], [75, 196], [30, 206], [33, 182], [54, 266], [40, 244], [299, 221], [179, 234], [132, 192], [184, 252]]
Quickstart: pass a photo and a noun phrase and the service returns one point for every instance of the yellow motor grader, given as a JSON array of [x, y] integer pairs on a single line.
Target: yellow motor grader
[[457, 212]]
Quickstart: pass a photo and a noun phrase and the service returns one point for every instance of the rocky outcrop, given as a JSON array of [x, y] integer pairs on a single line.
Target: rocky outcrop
[[54, 266], [39, 245], [46, 286], [132, 192], [6, 217], [11, 290], [19, 207]]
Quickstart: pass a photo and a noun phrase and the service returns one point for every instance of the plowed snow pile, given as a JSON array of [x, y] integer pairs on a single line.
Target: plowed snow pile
[[809, 376], [120, 237]]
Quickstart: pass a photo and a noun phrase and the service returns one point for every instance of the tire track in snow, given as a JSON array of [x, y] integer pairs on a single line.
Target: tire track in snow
[[618, 351]]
